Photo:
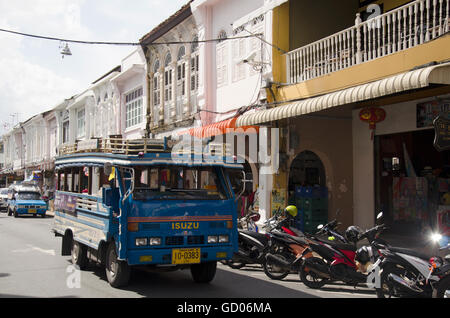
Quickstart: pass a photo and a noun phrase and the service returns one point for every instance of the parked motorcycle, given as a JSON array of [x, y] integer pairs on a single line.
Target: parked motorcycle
[[252, 244], [406, 273], [341, 261], [286, 248], [289, 246], [440, 267]]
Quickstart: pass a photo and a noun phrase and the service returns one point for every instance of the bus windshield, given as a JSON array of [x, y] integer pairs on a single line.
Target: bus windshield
[[177, 183], [28, 196]]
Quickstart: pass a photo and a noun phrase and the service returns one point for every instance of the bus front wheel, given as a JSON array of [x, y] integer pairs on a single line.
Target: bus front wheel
[[204, 272], [117, 272], [79, 255]]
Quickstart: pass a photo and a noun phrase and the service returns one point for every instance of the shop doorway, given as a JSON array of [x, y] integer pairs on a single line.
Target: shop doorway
[[307, 190], [412, 181]]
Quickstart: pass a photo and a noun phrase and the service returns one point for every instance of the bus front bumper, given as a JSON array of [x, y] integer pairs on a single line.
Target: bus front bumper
[[24, 211], [170, 256]]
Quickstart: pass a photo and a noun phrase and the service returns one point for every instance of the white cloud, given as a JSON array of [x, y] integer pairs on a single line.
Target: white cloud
[[34, 78]]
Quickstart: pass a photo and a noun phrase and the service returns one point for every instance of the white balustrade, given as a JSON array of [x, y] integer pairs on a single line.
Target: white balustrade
[[405, 27]]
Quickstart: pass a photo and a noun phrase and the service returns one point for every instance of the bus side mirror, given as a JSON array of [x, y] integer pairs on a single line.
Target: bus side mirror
[[107, 194]]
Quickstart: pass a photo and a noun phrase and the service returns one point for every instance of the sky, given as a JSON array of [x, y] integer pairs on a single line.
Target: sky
[[33, 75]]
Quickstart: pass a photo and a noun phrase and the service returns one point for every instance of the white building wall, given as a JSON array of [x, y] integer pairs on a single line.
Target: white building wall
[[224, 90], [132, 77]]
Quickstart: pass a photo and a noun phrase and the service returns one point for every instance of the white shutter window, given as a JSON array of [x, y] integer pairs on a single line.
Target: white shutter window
[[134, 108]]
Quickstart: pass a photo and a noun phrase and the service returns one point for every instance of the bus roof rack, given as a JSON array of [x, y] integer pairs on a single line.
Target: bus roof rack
[[118, 145]]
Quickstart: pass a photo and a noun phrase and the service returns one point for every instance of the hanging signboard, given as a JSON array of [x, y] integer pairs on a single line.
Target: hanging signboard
[[442, 132], [428, 111], [278, 200], [85, 145]]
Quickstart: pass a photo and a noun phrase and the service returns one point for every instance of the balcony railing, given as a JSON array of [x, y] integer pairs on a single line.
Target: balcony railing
[[117, 146], [405, 27]]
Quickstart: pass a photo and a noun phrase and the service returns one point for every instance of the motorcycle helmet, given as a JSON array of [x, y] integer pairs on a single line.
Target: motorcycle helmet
[[255, 217], [291, 210], [352, 233], [363, 255]]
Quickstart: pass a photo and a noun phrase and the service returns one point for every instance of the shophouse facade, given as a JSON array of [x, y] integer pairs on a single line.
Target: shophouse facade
[[14, 154], [342, 93]]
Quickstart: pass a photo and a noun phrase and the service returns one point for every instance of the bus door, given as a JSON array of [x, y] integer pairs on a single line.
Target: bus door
[[125, 177]]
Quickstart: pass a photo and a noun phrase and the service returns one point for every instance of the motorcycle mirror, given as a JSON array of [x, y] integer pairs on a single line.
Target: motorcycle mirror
[[379, 216]]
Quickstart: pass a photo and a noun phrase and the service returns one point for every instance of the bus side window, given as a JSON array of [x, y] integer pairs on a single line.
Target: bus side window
[[154, 179], [68, 185]]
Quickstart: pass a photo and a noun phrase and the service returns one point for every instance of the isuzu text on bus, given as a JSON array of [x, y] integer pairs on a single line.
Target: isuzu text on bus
[[128, 203]]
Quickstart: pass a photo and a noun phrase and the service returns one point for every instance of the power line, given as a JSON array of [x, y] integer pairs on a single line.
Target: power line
[[124, 43]]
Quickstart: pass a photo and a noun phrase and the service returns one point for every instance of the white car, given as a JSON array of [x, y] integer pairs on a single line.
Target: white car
[[3, 199]]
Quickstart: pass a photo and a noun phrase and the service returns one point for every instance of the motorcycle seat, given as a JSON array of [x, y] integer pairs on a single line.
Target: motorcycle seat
[[340, 245], [298, 239], [408, 252], [259, 236]]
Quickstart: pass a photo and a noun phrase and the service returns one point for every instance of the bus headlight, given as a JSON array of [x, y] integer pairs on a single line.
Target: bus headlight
[[212, 239], [155, 241], [224, 239], [141, 241]]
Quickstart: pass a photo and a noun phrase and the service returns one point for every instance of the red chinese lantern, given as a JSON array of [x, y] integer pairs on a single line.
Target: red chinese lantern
[[372, 115]]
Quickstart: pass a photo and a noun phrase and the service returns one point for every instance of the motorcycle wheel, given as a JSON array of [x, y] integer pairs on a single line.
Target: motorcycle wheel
[[310, 278], [275, 272], [443, 288], [235, 265]]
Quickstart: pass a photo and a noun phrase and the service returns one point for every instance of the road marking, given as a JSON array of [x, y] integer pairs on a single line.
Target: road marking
[[32, 248]]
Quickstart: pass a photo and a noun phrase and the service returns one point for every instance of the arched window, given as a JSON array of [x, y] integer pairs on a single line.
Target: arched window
[[168, 81], [181, 53], [167, 60], [194, 45], [156, 87], [194, 64], [156, 66], [181, 81]]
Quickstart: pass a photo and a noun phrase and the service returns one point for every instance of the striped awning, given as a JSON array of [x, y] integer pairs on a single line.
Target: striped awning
[[219, 128], [436, 74]]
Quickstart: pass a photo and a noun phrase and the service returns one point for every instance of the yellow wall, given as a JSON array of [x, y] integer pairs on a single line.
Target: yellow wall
[[280, 31], [387, 4], [437, 50]]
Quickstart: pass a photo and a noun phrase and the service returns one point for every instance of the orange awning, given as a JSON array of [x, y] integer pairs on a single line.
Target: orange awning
[[220, 128]]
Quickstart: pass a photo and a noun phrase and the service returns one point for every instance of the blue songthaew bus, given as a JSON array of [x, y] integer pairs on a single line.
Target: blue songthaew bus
[[129, 203], [25, 199]]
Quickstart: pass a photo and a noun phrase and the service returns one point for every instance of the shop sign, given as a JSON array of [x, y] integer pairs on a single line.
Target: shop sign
[[90, 144], [278, 200], [427, 112], [442, 130]]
